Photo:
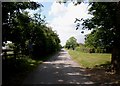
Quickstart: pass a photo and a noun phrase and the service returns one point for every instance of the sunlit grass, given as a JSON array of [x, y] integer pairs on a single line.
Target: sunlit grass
[[90, 60]]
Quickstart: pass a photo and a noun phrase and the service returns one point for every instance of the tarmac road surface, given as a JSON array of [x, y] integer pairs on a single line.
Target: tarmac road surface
[[60, 69]]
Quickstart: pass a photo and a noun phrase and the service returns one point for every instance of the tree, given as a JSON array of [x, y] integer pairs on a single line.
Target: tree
[[30, 35], [71, 43], [43, 40], [15, 21], [95, 40], [11, 11], [105, 24]]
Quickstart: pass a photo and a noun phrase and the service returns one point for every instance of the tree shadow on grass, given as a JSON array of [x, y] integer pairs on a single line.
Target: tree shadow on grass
[[103, 66], [102, 74]]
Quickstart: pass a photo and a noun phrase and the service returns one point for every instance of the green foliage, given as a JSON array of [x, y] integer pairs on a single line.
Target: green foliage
[[103, 24], [87, 49], [82, 48], [15, 21], [16, 70], [96, 40], [71, 43], [30, 35], [12, 12], [11, 45]]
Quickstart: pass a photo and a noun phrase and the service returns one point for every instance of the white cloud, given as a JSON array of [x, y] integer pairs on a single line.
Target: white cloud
[[62, 16], [57, 9], [63, 20]]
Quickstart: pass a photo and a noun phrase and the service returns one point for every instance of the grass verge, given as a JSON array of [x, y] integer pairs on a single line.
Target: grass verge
[[90, 60], [14, 71]]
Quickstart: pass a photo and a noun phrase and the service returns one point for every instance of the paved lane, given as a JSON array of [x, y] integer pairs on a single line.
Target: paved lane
[[60, 69]]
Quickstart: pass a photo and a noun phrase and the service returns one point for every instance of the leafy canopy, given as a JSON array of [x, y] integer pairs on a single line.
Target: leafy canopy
[[30, 35], [71, 43]]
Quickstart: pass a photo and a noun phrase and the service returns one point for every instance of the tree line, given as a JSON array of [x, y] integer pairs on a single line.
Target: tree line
[[29, 34], [105, 26]]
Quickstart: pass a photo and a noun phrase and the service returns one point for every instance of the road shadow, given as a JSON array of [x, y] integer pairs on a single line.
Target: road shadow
[[60, 69]]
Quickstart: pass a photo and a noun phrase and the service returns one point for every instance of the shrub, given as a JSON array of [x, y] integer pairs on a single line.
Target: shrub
[[91, 50]]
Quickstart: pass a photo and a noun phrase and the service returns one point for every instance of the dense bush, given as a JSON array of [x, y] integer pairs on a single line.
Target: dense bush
[[29, 34], [82, 48]]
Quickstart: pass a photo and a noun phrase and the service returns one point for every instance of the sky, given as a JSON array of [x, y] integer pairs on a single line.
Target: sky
[[61, 18]]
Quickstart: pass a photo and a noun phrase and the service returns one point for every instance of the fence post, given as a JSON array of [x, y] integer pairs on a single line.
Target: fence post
[[15, 54], [5, 54]]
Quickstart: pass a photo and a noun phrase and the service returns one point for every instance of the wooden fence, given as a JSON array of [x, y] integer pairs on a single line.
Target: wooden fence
[[6, 53]]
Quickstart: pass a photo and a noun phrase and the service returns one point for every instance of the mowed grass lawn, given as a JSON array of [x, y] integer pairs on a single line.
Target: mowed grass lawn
[[89, 60]]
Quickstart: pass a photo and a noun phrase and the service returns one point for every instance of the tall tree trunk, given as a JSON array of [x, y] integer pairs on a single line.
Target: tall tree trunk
[[116, 59], [116, 47]]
